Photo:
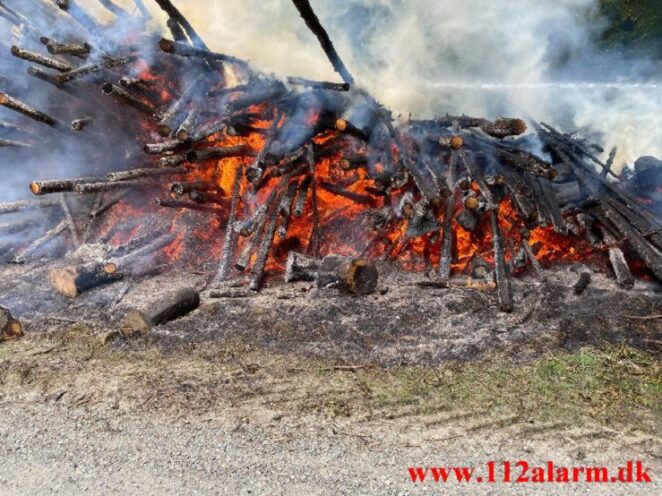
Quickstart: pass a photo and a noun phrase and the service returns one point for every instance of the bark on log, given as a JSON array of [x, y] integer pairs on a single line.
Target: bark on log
[[171, 307], [126, 97], [23, 108], [313, 23], [193, 156], [146, 172], [58, 185], [37, 58], [74, 281], [357, 276]]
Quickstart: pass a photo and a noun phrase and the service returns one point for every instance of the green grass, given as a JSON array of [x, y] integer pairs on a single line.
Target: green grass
[[634, 23], [615, 386]]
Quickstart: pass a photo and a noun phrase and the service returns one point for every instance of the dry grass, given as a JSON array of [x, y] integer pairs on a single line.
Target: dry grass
[[613, 386]]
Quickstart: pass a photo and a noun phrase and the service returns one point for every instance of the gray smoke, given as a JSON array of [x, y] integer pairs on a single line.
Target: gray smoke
[[531, 57]]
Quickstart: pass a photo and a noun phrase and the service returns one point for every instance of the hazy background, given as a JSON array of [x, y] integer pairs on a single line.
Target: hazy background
[[484, 57]]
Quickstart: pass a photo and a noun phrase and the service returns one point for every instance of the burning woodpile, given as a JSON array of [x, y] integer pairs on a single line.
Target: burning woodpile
[[311, 178]]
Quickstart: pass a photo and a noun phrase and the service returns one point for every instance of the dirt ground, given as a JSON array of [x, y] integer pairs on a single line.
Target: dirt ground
[[80, 416]]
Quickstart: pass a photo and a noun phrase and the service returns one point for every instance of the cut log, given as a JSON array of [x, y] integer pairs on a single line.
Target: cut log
[[351, 275], [300, 267], [10, 328], [37, 58], [74, 281], [171, 307], [23, 108], [79, 124], [58, 185], [582, 283]]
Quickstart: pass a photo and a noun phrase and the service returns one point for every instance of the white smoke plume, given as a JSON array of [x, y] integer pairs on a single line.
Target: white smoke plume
[[429, 57]]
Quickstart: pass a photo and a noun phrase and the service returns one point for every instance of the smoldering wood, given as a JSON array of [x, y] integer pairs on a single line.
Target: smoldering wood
[[190, 205], [225, 91], [350, 275], [170, 119], [301, 196], [241, 130], [86, 70], [79, 15], [504, 127], [146, 172], [476, 174], [264, 93], [28, 252], [210, 129], [346, 127], [624, 277], [77, 49], [176, 15], [10, 327], [58, 185], [345, 193], [528, 162], [258, 269], [255, 171], [27, 205], [299, 267], [504, 290], [319, 85], [173, 160], [52, 79], [128, 260], [126, 97], [4, 143], [80, 124], [520, 191], [40, 59], [549, 198], [87, 188], [17, 227], [467, 220], [230, 241], [532, 257], [574, 145], [25, 109], [171, 307], [194, 156], [610, 162], [183, 50], [185, 130], [205, 197], [164, 146], [74, 281], [257, 229], [102, 208], [582, 283], [176, 30], [181, 188], [310, 18]]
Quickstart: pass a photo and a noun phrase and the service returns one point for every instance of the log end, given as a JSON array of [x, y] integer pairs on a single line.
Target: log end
[[456, 142], [134, 324], [361, 277], [64, 281], [35, 187], [166, 45]]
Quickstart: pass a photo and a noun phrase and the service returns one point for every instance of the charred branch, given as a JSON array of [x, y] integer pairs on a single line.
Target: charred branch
[[87, 188], [230, 242], [4, 143], [163, 147], [80, 124], [126, 97], [582, 283], [194, 156], [88, 69], [23, 108], [313, 23], [78, 49], [504, 291], [177, 16], [10, 328], [58, 185], [147, 172], [37, 58], [319, 85], [357, 276], [27, 205]]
